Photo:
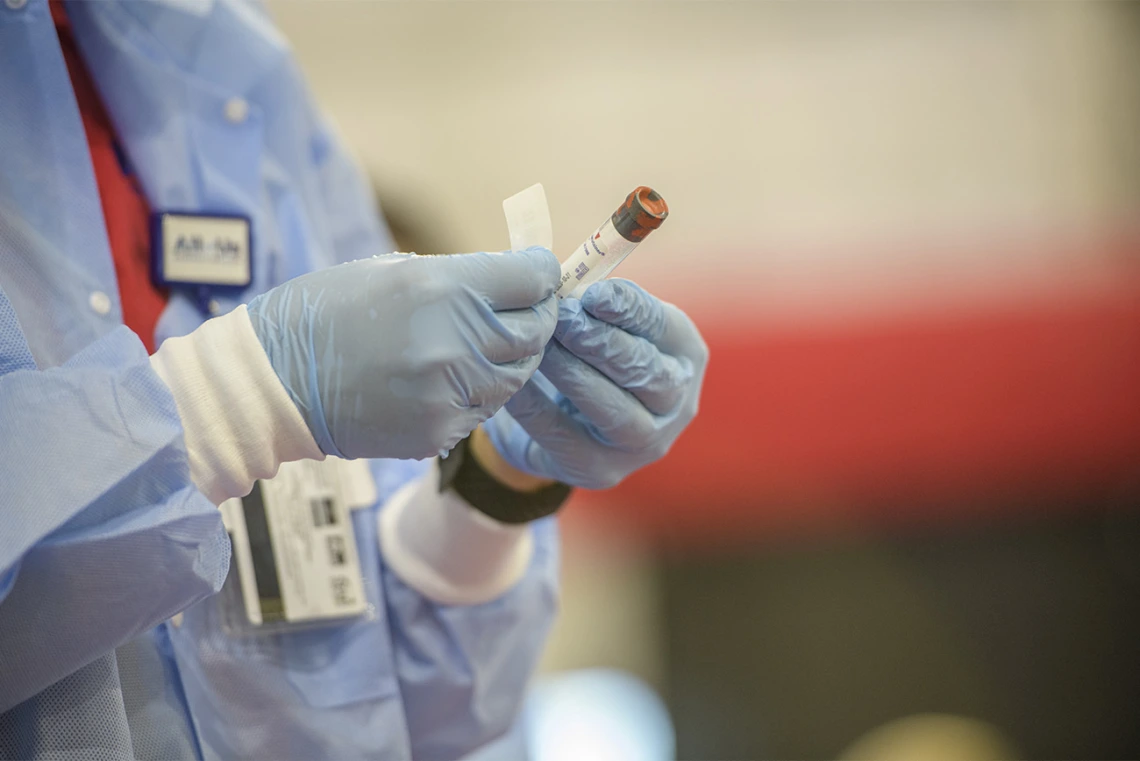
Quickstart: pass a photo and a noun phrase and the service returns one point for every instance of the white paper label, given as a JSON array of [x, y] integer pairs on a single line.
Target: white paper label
[[357, 481], [528, 219], [313, 543]]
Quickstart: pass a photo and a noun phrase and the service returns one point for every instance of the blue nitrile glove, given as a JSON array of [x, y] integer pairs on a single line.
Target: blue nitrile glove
[[616, 387], [403, 355]]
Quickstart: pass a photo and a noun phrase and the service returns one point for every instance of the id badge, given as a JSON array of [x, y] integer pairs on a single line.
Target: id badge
[[294, 550], [201, 250]]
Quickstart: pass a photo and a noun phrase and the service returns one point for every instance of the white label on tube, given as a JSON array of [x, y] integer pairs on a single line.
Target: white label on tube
[[593, 260], [528, 222]]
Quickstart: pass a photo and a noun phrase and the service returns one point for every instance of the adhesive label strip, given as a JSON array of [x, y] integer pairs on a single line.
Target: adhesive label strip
[[528, 219]]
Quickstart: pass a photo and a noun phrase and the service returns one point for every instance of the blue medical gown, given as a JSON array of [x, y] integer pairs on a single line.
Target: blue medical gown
[[103, 537]]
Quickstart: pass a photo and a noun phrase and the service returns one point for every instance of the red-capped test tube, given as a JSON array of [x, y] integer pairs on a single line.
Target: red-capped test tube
[[642, 213]]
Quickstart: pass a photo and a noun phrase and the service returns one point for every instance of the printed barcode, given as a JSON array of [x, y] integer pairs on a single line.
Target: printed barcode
[[336, 550], [340, 591], [323, 512]]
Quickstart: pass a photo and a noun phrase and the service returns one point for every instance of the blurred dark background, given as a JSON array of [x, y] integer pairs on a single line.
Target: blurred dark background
[[1032, 628]]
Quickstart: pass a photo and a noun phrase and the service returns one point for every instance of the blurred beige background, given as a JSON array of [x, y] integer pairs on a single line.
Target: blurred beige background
[[787, 137]]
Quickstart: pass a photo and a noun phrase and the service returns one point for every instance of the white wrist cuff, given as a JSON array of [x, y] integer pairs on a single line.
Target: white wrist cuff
[[447, 550], [238, 420]]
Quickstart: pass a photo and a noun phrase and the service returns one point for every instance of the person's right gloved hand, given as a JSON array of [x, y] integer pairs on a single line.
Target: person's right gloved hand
[[402, 355]]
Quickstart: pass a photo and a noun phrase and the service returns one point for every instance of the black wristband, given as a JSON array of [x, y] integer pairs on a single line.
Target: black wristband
[[463, 474]]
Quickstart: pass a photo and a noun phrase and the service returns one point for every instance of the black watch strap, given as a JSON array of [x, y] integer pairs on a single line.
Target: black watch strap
[[462, 473]]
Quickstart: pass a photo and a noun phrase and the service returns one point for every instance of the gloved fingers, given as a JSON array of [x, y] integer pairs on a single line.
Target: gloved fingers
[[627, 305], [520, 333], [554, 434], [558, 444], [658, 380], [500, 381], [616, 414], [512, 279], [541, 416]]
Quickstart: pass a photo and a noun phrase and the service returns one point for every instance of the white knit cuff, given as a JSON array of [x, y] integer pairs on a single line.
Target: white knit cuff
[[238, 420], [447, 550]]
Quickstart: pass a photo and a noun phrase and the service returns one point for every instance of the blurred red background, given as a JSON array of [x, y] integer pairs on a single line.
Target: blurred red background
[[976, 409]]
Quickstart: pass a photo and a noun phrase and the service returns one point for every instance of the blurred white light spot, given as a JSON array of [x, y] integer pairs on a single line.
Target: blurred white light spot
[[599, 715], [236, 110]]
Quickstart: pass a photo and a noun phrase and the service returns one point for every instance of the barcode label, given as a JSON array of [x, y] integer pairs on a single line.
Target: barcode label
[[337, 555], [340, 591], [313, 543], [323, 512]]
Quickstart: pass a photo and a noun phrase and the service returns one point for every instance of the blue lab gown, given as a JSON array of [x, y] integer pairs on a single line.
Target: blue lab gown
[[103, 537]]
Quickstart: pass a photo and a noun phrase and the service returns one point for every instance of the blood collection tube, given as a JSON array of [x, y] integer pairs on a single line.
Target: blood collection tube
[[642, 213]]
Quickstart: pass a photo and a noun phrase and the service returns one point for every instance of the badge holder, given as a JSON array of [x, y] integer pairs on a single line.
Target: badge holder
[[205, 254], [294, 564]]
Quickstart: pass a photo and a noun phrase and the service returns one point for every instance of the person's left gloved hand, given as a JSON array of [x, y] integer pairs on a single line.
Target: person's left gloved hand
[[618, 383]]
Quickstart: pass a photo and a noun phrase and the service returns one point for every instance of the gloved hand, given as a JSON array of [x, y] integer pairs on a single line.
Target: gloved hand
[[616, 387], [403, 355]]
